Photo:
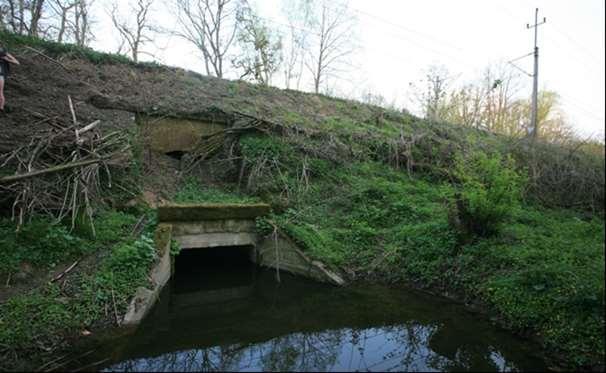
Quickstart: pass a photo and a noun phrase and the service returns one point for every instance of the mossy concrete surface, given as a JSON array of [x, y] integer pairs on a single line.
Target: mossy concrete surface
[[200, 212], [214, 226], [167, 135], [145, 298], [281, 253]]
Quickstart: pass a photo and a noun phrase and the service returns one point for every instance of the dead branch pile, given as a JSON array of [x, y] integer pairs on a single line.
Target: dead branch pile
[[61, 170]]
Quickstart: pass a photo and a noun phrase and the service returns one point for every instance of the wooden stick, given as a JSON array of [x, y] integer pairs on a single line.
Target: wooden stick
[[47, 57], [13, 178], [60, 275], [88, 127], [71, 109], [115, 309]]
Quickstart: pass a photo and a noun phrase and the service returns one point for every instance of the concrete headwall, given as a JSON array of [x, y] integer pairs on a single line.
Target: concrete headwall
[[282, 253], [167, 135]]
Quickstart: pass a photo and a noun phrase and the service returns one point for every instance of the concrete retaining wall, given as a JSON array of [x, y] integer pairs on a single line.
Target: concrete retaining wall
[[145, 298], [282, 253]]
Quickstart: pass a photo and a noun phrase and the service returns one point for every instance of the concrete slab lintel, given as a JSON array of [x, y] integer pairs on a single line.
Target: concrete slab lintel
[[206, 240]]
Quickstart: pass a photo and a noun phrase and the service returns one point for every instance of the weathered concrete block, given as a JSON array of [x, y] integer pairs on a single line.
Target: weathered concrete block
[[200, 212], [199, 241], [162, 237], [214, 226], [167, 135], [284, 254]]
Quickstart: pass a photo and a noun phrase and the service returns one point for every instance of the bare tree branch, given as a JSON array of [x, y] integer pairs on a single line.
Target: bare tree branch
[[211, 26], [134, 34]]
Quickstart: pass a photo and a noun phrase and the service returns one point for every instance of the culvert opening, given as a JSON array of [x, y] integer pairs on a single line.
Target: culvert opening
[[213, 268], [178, 154]]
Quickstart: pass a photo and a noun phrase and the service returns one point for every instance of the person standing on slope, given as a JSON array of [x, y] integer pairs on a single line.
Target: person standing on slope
[[5, 60]]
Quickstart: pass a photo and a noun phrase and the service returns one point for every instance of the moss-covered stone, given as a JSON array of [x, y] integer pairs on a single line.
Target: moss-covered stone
[[198, 212], [162, 238]]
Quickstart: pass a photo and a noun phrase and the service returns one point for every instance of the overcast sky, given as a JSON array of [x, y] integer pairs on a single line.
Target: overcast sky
[[399, 39]]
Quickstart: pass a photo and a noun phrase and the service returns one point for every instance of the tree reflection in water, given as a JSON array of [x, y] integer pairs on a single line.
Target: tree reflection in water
[[299, 325], [406, 347]]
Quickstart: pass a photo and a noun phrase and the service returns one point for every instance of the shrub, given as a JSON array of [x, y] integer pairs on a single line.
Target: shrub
[[488, 191], [194, 191], [40, 243]]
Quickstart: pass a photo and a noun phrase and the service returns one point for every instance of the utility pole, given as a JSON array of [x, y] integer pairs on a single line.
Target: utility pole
[[535, 76]]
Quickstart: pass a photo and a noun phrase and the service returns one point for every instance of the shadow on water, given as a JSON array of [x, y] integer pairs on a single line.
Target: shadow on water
[[220, 313]]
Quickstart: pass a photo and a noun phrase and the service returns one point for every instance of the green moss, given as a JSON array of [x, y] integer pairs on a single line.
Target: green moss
[[163, 237]]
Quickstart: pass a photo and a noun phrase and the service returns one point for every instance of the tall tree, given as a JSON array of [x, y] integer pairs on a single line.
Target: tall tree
[[299, 14], [3, 15], [70, 21], [432, 95], [490, 103], [23, 17], [134, 32], [82, 23], [553, 124], [62, 9], [261, 49], [211, 26], [465, 105], [333, 41], [500, 84]]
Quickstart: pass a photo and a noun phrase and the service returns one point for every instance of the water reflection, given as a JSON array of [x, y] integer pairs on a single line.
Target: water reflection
[[395, 348], [256, 324]]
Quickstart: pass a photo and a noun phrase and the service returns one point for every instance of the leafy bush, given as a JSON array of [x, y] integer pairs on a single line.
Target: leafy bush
[[131, 255], [489, 189], [40, 243], [175, 247]]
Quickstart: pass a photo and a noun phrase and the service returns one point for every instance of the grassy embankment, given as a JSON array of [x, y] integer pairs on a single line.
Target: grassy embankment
[[542, 274], [44, 316], [371, 191]]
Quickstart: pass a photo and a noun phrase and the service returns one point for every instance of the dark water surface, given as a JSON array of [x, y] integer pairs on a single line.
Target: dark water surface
[[226, 315]]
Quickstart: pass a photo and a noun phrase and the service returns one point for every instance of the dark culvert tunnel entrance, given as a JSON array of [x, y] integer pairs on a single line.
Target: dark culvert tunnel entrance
[[214, 268]]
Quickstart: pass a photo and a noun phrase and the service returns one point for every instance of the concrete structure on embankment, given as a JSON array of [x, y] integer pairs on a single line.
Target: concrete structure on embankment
[[225, 226]]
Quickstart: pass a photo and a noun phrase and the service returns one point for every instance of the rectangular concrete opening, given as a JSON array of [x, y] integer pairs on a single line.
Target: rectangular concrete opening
[[213, 268]]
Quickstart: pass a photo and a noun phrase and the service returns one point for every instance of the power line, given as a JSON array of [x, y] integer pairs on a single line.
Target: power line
[[397, 36], [577, 44], [588, 112], [407, 29], [556, 43]]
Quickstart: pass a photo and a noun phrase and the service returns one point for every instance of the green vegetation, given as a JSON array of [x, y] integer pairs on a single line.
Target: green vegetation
[[98, 289], [54, 49], [192, 191], [39, 243], [489, 190], [365, 190], [541, 270]]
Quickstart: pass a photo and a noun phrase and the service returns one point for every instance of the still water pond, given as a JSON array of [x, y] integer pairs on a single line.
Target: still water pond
[[228, 317]]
